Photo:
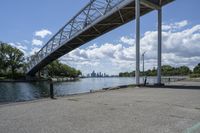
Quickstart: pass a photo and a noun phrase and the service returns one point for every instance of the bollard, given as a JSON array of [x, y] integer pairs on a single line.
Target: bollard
[[51, 90], [145, 81]]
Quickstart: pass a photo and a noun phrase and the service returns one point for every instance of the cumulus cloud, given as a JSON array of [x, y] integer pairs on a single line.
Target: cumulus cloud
[[92, 46], [43, 33], [36, 42], [180, 47], [127, 40], [175, 26]]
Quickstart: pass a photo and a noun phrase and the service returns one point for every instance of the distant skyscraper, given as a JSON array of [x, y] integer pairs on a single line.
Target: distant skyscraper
[[93, 74]]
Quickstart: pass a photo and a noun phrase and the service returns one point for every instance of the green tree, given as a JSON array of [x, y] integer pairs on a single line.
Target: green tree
[[2, 60], [167, 70], [11, 59], [62, 70], [15, 59], [183, 70], [127, 74], [196, 69], [54, 68]]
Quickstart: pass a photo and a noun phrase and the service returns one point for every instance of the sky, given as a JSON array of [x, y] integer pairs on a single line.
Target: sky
[[29, 24]]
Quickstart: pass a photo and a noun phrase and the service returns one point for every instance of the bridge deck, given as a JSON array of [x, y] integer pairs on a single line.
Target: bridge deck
[[96, 19]]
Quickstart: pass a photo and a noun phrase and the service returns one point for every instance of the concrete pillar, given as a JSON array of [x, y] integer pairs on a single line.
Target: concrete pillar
[[137, 17], [39, 74], [159, 46]]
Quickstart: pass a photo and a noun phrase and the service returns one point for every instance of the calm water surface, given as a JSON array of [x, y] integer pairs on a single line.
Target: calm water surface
[[21, 91]]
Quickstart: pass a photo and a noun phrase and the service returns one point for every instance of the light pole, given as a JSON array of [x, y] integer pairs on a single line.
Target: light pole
[[143, 65]]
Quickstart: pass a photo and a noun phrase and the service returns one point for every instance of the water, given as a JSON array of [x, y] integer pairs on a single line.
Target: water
[[23, 91]]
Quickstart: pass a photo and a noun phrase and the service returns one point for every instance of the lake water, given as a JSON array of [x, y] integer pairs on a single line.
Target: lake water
[[24, 91]]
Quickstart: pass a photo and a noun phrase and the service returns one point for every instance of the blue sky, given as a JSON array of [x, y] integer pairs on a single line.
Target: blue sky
[[22, 23]]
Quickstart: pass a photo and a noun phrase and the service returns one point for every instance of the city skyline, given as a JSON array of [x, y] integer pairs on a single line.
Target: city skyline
[[97, 74]]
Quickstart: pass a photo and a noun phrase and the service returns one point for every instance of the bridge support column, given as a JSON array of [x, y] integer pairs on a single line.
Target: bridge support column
[[159, 47], [39, 74], [137, 16]]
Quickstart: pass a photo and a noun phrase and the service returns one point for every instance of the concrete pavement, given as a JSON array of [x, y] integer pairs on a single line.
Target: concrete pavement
[[129, 110]]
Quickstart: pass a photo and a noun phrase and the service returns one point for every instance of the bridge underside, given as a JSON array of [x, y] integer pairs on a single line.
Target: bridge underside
[[107, 23]]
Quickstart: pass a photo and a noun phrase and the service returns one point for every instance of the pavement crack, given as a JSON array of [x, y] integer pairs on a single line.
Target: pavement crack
[[176, 116], [73, 99], [178, 105]]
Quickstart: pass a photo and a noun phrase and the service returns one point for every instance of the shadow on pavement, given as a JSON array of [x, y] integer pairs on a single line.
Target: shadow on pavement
[[175, 87]]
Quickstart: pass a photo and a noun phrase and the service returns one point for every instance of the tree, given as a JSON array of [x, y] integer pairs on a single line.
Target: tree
[[15, 59], [54, 68], [167, 70], [127, 74], [11, 58], [152, 72], [183, 70], [196, 69], [62, 70], [2, 60]]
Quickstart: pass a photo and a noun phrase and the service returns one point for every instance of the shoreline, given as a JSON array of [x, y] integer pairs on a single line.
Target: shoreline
[[95, 91], [40, 80], [65, 79], [69, 95]]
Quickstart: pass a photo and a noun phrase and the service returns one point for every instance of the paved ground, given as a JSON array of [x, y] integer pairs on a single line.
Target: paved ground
[[130, 110]]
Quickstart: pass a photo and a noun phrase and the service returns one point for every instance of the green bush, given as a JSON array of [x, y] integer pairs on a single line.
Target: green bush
[[2, 78], [17, 75], [195, 76]]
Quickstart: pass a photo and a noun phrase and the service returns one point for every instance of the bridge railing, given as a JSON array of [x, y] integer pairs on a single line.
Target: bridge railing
[[91, 12]]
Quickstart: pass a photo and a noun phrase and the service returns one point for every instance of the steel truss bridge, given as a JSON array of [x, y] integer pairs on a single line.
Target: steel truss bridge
[[95, 19]]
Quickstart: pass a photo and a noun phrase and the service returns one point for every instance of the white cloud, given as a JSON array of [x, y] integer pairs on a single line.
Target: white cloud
[[36, 42], [34, 50], [180, 47], [43, 33], [175, 26], [182, 24], [127, 40], [93, 46]]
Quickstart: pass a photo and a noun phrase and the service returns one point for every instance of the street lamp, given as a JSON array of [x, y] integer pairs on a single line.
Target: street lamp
[[143, 65]]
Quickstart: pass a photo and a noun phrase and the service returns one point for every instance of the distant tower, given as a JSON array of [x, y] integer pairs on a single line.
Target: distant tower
[[93, 74]]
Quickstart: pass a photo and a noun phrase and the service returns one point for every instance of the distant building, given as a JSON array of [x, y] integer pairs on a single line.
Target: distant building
[[97, 74], [93, 74]]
